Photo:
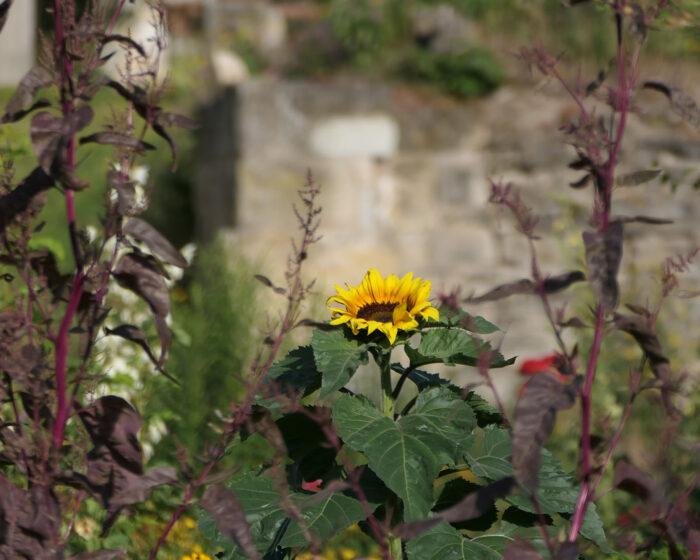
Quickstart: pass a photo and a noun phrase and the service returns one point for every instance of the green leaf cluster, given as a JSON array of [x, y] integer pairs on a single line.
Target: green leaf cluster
[[400, 468]]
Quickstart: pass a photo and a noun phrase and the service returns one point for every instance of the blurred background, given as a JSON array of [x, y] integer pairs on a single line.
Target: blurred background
[[402, 110]]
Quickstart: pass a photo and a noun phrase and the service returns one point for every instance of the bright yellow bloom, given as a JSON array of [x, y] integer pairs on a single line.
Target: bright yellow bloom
[[387, 305], [196, 556]]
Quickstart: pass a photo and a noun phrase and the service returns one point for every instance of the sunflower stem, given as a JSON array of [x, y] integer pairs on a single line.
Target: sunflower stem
[[395, 547], [388, 403]]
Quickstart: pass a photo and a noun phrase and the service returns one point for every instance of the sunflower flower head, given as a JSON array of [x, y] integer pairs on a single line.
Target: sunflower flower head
[[386, 304]]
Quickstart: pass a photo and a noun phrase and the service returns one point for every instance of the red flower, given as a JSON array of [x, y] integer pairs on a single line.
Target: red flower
[[313, 486], [554, 364]]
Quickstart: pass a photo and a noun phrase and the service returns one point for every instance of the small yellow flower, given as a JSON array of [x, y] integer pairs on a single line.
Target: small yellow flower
[[196, 556], [387, 305]]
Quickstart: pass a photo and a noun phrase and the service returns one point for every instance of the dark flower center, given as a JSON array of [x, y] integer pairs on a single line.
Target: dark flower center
[[380, 312]]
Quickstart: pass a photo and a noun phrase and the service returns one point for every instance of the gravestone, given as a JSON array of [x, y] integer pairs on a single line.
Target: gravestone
[[17, 42]]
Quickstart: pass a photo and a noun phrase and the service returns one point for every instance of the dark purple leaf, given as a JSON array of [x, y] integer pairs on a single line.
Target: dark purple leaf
[[173, 119], [36, 406], [582, 182], [164, 336], [637, 178], [535, 412], [160, 131], [593, 86], [638, 309], [260, 420], [100, 555], [140, 489], [603, 256], [24, 197], [154, 115], [554, 284], [163, 120], [472, 506], [583, 162], [45, 133], [29, 521], [137, 97], [267, 282], [13, 448], [521, 550], [411, 529], [479, 502], [144, 232], [115, 463], [567, 551], [681, 103], [573, 322], [114, 423], [644, 220], [43, 262], [143, 275], [118, 139], [77, 120], [34, 80], [640, 329], [551, 285], [633, 481], [135, 334], [224, 507], [19, 115], [49, 132], [128, 41]]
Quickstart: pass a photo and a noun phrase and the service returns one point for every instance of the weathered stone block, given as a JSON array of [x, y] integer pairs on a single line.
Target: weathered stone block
[[344, 136]]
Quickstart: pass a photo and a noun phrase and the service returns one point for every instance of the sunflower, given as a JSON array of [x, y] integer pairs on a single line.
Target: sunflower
[[383, 304]]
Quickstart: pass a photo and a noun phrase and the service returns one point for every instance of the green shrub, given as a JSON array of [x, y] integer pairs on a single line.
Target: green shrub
[[469, 74], [214, 330]]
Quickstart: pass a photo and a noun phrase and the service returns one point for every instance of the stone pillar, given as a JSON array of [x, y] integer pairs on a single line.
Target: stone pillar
[[217, 154], [17, 42]]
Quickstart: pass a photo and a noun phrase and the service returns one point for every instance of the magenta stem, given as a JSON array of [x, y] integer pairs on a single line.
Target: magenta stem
[[621, 106], [115, 16], [585, 492], [76, 292]]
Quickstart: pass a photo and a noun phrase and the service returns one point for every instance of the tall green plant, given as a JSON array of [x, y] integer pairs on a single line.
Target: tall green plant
[[215, 331]]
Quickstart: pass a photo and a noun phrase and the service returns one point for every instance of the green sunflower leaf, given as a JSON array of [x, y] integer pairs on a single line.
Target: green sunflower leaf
[[337, 357], [493, 460], [592, 529], [269, 523], [485, 413], [295, 375], [452, 346], [459, 318], [324, 519], [408, 454], [258, 497], [444, 542], [556, 493]]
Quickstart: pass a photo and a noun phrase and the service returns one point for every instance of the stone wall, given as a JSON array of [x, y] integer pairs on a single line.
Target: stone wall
[[17, 42], [405, 185]]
